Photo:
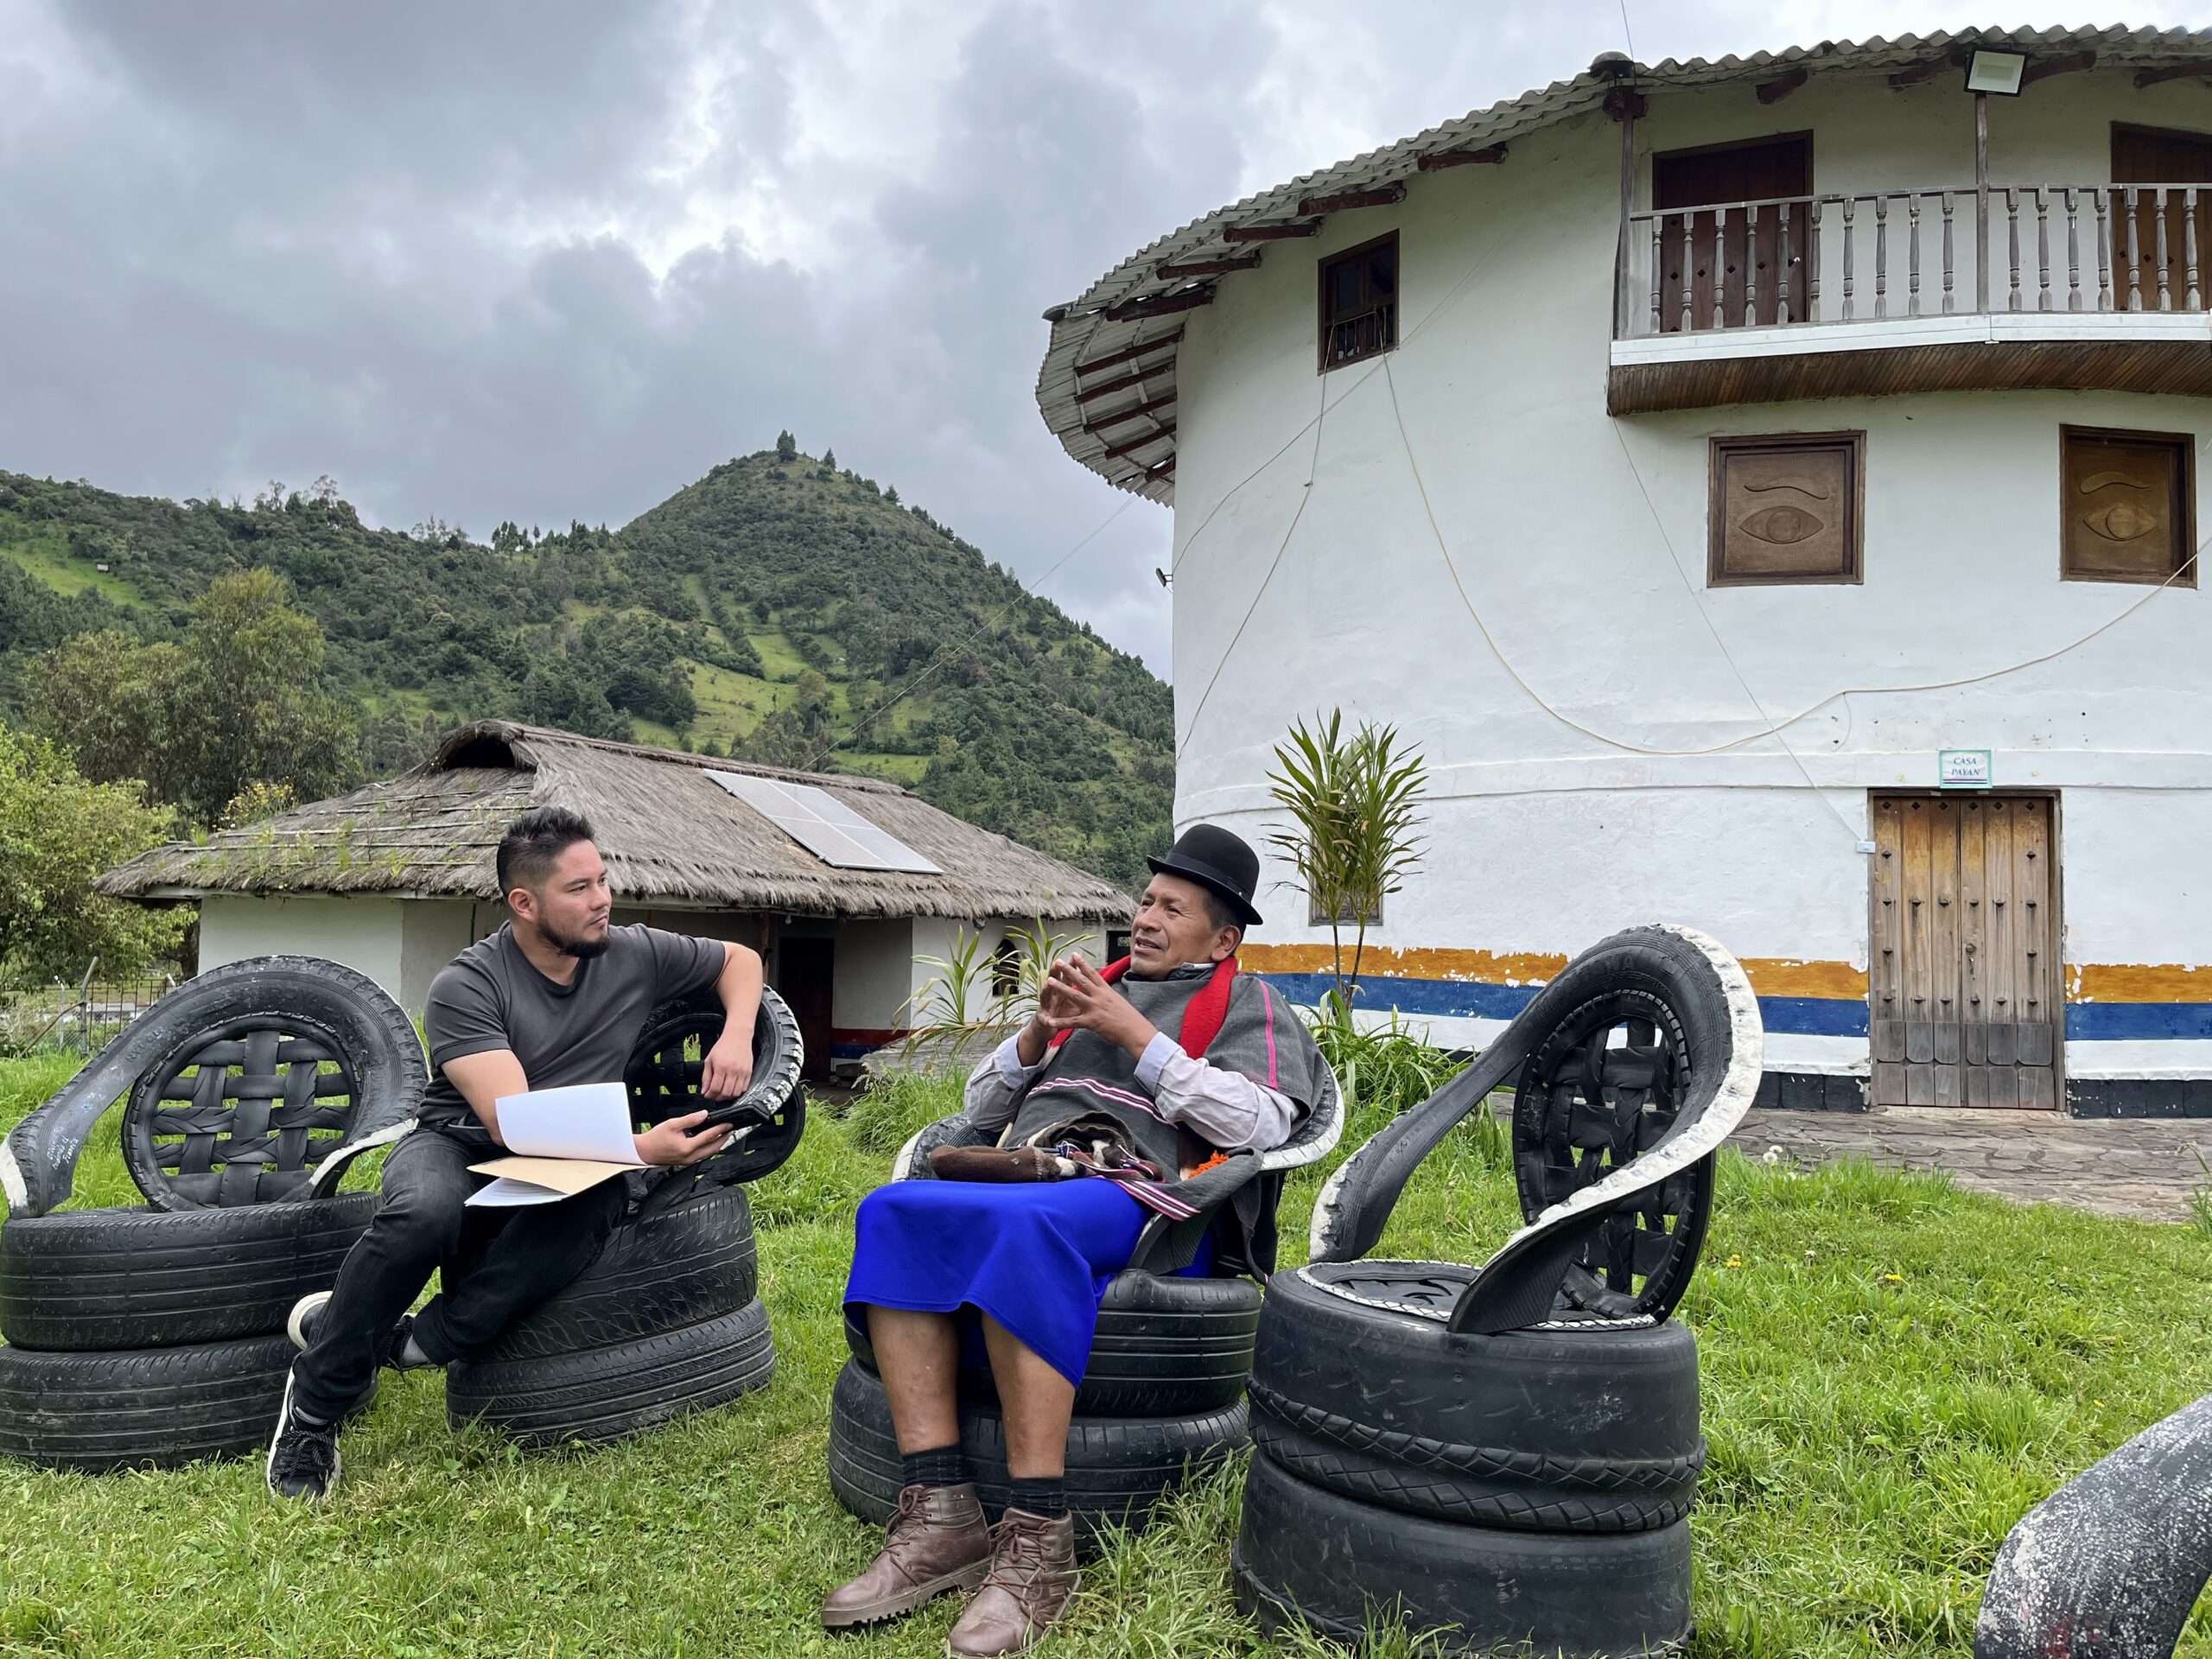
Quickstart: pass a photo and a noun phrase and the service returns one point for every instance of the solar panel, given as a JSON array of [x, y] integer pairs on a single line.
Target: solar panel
[[824, 825]]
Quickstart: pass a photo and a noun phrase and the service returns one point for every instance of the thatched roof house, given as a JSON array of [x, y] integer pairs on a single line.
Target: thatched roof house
[[397, 876]]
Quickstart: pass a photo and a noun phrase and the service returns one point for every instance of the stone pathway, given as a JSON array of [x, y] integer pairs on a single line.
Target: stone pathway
[[2116, 1166]]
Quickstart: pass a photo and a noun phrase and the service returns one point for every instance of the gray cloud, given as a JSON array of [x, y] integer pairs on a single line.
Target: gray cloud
[[548, 261]]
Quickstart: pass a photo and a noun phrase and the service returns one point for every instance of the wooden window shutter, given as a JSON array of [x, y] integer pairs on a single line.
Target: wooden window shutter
[[2127, 512], [1786, 509]]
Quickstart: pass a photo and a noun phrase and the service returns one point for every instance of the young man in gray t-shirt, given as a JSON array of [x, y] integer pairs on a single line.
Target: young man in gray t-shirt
[[555, 996]]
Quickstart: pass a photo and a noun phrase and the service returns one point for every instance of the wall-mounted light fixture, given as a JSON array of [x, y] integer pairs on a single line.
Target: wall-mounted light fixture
[[1996, 72]]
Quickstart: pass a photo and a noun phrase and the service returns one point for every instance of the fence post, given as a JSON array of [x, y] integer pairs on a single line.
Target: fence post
[[85, 1010]]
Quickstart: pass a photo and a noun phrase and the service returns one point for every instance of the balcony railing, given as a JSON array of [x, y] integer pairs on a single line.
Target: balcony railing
[[1907, 254]]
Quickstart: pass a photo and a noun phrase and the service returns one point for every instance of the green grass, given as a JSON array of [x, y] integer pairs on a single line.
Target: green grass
[[777, 656], [48, 559], [1893, 1370]]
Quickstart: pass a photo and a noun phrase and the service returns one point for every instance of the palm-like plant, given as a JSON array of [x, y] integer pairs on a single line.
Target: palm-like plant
[[1355, 806]]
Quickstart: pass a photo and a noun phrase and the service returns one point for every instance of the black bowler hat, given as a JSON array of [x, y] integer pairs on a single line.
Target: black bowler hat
[[1219, 861]]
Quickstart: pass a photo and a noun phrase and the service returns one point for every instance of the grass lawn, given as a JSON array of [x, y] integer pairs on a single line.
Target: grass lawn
[[45, 557], [1893, 1370]]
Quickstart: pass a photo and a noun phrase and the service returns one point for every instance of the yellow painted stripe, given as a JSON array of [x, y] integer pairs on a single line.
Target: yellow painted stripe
[[1770, 977], [1478, 967], [2118, 981], [2092, 981], [1792, 976]]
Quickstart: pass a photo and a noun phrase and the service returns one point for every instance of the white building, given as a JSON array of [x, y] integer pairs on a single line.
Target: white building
[[1702, 464], [845, 885]]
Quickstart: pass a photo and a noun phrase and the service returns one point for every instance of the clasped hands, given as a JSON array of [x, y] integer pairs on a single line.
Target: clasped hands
[[727, 1074], [1075, 996]]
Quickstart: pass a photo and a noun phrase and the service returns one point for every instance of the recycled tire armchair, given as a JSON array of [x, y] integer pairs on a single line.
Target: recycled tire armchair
[[153, 1336], [1509, 1452], [1162, 1396]]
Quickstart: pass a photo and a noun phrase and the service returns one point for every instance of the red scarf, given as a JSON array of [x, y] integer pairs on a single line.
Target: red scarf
[[1202, 1018]]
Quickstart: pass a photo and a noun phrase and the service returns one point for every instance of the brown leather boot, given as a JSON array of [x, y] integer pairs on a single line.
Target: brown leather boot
[[938, 1541], [1033, 1576]]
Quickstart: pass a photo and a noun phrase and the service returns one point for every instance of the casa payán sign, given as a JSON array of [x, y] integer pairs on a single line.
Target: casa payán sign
[[1965, 769]]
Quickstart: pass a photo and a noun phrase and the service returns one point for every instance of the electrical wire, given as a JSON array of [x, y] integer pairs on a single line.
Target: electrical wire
[[1313, 471], [2187, 566], [1474, 266]]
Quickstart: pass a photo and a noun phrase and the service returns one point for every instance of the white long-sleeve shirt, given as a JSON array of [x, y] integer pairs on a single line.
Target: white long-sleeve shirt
[[1228, 1108]]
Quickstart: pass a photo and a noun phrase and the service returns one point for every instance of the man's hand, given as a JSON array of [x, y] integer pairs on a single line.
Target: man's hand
[[1079, 997], [729, 1070], [674, 1143]]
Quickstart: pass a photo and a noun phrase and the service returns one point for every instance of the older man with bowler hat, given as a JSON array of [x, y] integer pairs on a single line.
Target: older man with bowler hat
[[1124, 1083]]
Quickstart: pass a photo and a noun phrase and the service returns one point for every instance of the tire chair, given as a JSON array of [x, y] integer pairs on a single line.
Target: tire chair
[[667, 1319], [2109, 1565], [1508, 1453], [1162, 1397], [152, 1337]]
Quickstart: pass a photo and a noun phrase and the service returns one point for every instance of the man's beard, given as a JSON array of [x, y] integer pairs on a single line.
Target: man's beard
[[581, 946]]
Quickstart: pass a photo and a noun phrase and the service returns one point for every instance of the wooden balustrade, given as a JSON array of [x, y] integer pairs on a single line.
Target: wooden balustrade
[[1875, 258]]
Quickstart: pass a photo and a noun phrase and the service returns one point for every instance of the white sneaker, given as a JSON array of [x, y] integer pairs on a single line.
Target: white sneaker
[[301, 1326]]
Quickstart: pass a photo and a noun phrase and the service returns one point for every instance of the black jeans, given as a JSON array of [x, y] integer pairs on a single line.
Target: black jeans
[[497, 1263]]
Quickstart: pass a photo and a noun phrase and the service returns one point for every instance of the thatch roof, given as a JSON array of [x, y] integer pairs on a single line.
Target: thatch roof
[[671, 834]]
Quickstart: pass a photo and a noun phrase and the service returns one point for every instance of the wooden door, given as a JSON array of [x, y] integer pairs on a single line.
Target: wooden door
[[1758, 283], [1963, 978], [805, 970], [2169, 241]]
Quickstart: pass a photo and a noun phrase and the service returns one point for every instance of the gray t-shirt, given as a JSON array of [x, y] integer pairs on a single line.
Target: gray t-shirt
[[490, 997]]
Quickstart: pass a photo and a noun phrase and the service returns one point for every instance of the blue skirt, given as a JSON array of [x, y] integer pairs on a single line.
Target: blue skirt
[[1036, 1257]]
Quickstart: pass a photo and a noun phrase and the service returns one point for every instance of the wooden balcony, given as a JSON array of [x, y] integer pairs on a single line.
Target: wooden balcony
[[1918, 290]]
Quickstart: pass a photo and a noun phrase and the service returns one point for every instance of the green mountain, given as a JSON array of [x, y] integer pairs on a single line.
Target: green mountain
[[778, 609]]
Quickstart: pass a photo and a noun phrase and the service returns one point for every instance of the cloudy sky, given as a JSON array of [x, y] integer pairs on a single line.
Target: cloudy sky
[[554, 259]]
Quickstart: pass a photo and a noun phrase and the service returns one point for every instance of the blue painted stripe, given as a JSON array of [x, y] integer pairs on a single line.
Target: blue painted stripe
[[1453, 999], [1813, 1016], [2091, 1022]]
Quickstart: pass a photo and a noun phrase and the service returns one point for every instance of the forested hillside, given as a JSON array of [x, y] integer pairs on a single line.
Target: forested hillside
[[779, 609]]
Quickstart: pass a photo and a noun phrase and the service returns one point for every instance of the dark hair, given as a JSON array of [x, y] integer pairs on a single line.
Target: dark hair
[[532, 843], [1217, 910]]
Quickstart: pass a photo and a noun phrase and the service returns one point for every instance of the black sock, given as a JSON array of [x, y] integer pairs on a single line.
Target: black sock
[[1047, 1496], [942, 1466]]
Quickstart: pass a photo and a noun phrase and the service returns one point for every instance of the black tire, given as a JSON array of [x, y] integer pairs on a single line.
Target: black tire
[[1588, 1426], [345, 1011], [1581, 1111], [1164, 1347], [662, 1078], [659, 1273], [1584, 1107], [102, 1280], [601, 1395], [1119, 1469], [1306, 1553], [142, 1409]]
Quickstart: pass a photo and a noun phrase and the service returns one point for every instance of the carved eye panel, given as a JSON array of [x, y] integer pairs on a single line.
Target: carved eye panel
[[2127, 517], [1780, 526], [2122, 522], [1784, 508]]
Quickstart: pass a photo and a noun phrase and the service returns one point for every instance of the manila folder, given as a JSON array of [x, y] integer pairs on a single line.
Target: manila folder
[[539, 1180]]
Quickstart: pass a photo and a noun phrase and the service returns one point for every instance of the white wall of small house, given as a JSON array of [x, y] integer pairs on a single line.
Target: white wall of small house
[[366, 933], [1581, 542]]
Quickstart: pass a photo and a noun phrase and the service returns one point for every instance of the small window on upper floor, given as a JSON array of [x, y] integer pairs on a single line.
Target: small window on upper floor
[[2129, 511], [1359, 303], [1785, 508]]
